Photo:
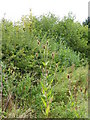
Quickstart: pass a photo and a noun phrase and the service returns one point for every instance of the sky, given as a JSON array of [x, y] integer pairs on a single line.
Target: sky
[[14, 9]]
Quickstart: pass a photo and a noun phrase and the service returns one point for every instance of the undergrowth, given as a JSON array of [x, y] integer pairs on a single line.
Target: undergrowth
[[44, 68]]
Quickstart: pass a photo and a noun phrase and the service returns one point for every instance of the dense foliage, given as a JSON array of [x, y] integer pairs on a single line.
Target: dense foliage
[[44, 67]]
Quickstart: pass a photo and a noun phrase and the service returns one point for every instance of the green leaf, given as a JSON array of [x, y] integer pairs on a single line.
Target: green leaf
[[42, 84], [44, 88], [72, 104], [44, 102], [49, 93], [51, 81], [43, 64], [47, 110], [46, 62]]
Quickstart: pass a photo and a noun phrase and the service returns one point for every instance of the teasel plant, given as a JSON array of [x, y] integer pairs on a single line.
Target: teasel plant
[[47, 82], [70, 92], [46, 85]]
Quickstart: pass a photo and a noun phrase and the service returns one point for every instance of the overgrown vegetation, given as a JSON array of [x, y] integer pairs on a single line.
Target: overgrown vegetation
[[44, 67]]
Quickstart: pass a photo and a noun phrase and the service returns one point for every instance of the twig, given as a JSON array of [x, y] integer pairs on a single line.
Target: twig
[[7, 103]]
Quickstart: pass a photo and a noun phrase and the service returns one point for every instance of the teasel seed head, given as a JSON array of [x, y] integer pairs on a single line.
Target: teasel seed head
[[47, 42], [38, 42], [36, 55], [68, 76], [52, 55], [56, 65], [44, 46], [80, 89]]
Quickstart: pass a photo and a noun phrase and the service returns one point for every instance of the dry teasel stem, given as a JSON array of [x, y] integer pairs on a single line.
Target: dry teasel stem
[[71, 81], [43, 70]]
